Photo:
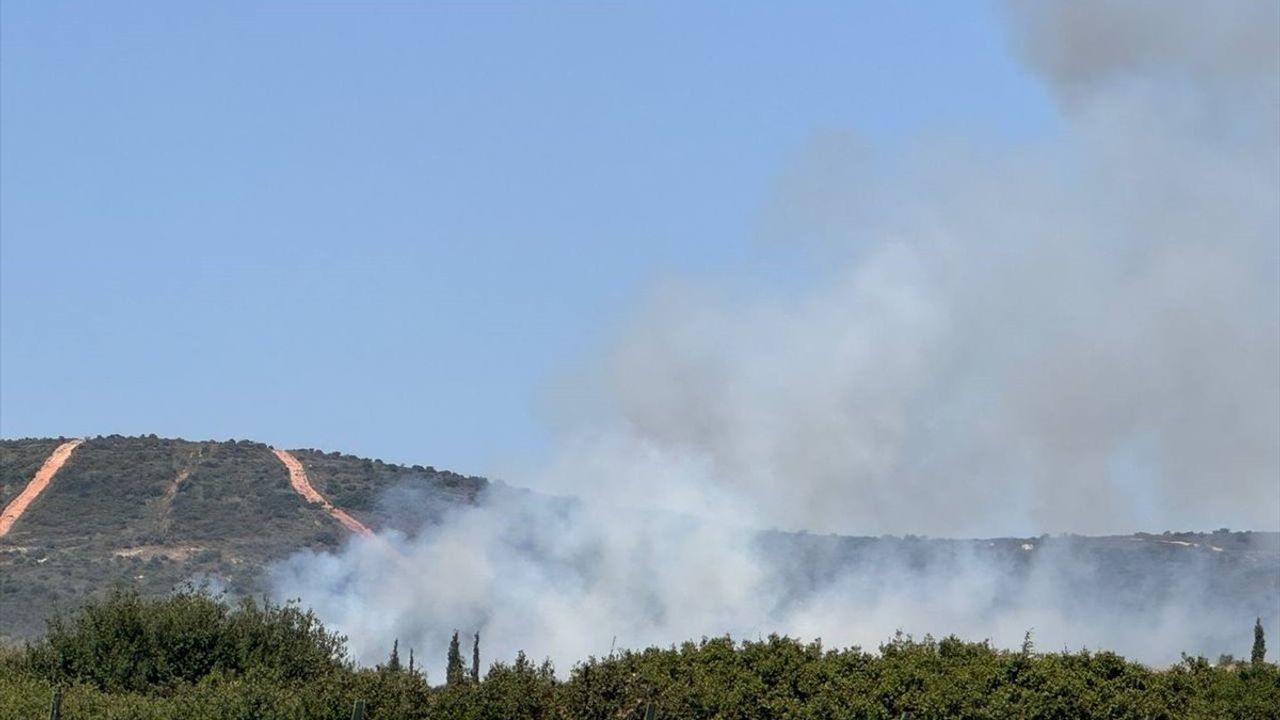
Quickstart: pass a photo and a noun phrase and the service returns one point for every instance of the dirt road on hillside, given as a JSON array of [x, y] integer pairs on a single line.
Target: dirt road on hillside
[[43, 476], [298, 479]]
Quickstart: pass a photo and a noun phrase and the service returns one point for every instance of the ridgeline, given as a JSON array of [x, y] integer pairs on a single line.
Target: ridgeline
[[151, 514]]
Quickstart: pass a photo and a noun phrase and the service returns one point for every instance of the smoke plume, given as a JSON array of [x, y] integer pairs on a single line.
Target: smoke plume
[[1077, 335]]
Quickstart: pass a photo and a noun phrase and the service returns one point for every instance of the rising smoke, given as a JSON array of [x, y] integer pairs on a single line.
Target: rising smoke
[[1081, 335]]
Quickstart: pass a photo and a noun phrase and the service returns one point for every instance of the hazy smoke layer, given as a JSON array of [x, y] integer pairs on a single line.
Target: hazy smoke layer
[[1081, 337], [1078, 336], [567, 580]]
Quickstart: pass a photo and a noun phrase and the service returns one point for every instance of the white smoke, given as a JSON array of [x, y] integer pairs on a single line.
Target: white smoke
[[1082, 335]]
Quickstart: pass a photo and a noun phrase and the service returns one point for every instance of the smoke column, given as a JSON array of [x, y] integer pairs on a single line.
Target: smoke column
[[1082, 335]]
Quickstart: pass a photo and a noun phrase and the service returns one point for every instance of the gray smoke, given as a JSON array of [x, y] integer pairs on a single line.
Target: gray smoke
[[1078, 335]]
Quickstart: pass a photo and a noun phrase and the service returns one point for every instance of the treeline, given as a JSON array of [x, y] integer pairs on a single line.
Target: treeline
[[194, 656]]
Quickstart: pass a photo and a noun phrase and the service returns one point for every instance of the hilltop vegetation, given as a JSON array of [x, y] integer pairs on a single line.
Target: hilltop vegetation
[[152, 513], [193, 656], [19, 461], [359, 486]]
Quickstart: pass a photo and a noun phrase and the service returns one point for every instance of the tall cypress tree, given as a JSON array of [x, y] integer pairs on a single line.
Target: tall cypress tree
[[453, 671], [1259, 653], [475, 659], [393, 663]]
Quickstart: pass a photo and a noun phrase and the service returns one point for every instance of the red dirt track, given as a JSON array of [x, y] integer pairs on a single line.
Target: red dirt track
[[43, 477], [298, 479]]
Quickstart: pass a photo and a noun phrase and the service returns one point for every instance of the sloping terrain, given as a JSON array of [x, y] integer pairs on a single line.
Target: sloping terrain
[[374, 492], [14, 510], [19, 461], [302, 485], [154, 513]]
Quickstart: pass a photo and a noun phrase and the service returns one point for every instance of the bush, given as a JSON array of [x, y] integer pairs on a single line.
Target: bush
[[128, 644], [194, 656]]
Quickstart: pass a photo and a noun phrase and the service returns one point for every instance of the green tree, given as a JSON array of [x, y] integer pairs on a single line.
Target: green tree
[[475, 659], [393, 663], [129, 644], [453, 671], [1259, 653]]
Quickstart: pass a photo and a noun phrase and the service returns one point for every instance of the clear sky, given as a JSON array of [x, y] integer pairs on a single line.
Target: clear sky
[[384, 228]]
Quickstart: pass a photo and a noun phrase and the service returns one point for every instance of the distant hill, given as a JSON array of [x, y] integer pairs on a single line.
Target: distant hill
[[154, 513]]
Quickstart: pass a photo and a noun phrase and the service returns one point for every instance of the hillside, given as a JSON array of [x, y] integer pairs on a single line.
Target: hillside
[[153, 513]]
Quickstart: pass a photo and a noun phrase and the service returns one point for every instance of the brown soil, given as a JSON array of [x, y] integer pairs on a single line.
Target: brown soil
[[43, 477], [298, 479]]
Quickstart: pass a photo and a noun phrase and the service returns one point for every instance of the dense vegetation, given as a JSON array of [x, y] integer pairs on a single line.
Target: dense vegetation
[[19, 461], [154, 512], [360, 486], [193, 656], [148, 514]]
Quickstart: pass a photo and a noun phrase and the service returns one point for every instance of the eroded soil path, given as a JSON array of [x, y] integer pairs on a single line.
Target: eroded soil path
[[170, 492], [298, 479], [43, 476]]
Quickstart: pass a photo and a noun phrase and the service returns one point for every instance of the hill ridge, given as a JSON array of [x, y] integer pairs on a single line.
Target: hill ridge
[[153, 513]]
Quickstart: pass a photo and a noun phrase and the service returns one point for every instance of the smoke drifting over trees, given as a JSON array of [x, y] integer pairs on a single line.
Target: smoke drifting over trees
[[1078, 335]]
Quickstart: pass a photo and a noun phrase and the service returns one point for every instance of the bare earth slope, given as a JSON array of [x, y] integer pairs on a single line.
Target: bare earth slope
[[14, 509], [19, 461], [302, 486]]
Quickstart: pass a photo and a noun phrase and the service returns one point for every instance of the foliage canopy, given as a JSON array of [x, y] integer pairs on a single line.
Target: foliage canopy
[[195, 656]]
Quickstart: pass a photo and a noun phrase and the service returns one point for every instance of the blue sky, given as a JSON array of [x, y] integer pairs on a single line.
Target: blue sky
[[384, 229]]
